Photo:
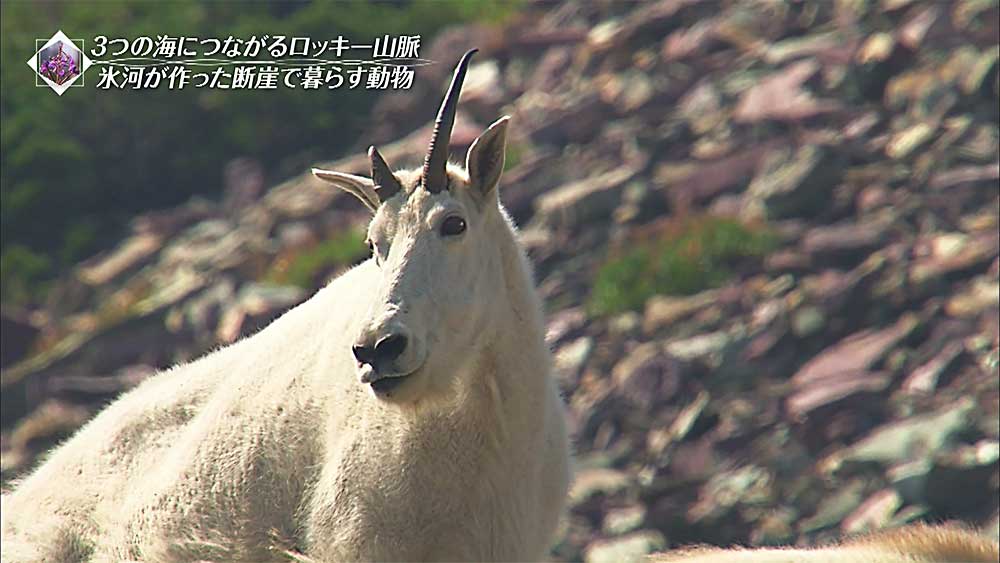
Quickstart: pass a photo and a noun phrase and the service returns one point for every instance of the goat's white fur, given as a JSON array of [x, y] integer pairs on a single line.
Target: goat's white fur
[[273, 447]]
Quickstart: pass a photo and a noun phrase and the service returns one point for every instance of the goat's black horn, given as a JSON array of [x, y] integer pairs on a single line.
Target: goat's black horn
[[386, 183], [435, 176]]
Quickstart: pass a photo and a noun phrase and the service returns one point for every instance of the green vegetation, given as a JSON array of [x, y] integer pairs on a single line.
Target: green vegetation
[[303, 268], [514, 155], [694, 255], [19, 267], [76, 168]]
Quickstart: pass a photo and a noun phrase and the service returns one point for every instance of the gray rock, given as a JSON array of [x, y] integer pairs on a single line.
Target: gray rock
[[632, 548], [626, 92], [848, 241], [708, 347], [981, 294], [905, 142], [793, 184], [592, 199], [924, 379], [780, 96], [750, 484], [875, 513], [663, 311], [857, 352], [648, 376], [255, 306], [835, 507], [570, 358], [830, 390], [906, 439], [589, 483], [910, 479], [952, 254], [129, 256], [808, 321], [623, 520]]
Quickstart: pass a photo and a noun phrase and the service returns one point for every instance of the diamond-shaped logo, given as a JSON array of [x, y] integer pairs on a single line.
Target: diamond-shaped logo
[[59, 63]]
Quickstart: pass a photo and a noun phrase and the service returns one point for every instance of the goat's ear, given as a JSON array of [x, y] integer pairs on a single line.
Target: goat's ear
[[486, 157], [358, 186]]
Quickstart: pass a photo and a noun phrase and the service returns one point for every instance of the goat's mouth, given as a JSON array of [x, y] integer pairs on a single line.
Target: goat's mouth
[[383, 383], [387, 384]]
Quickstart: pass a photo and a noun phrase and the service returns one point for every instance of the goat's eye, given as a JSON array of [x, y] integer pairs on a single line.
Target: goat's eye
[[371, 247], [452, 226]]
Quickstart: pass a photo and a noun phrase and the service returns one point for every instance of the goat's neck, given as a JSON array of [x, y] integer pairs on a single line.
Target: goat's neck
[[519, 300], [512, 364]]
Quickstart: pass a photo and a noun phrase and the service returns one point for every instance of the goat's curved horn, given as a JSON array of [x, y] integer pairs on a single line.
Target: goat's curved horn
[[435, 176], [386, 183]]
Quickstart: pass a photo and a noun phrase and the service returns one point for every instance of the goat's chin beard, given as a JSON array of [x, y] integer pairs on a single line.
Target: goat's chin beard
[[401, 389], [423, 388]]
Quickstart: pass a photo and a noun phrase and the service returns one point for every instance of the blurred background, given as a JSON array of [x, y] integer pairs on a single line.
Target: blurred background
[[766, 234]]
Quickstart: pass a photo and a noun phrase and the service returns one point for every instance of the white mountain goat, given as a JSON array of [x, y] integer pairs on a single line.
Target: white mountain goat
[[913, 544], [405, 412]]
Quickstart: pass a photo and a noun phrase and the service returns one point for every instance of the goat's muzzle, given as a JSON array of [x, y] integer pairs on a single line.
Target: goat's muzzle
[[379, 354]]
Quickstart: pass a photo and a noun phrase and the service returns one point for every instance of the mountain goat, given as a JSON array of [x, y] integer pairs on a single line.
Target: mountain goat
[[914, 544], [405, 412]]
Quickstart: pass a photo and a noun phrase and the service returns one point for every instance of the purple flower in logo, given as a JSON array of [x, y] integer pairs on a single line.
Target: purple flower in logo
[[60, 67]]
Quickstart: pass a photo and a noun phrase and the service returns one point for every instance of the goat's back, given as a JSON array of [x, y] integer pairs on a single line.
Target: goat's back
[[199, 459]]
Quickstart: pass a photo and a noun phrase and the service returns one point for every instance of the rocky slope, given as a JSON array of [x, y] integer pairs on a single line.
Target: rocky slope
[[843, 379]]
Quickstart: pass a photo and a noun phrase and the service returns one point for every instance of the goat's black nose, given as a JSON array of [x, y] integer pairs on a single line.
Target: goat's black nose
[[390, 347], [364, 354], [387, 350]]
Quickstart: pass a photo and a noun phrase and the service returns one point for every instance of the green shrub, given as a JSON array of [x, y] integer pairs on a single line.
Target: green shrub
[[20, 270], [693, 255], [514, 155], [303, 268]]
